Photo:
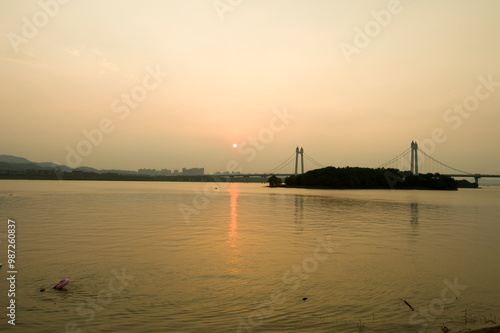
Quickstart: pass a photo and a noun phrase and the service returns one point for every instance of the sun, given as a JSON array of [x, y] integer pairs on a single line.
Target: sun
[[235, 145]]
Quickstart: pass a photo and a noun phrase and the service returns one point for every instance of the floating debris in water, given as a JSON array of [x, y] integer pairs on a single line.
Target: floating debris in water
[[304, 299], [61, 283], [42, 290], [411, 307]]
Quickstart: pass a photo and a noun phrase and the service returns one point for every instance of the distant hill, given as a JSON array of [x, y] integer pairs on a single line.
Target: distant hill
[[18, 166], [50, 165], [9, 162], [120, 172], [14, 159], [86, 169], [14, 163]]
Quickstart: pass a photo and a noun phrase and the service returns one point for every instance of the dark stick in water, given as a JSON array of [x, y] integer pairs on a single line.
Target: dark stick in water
[[411, 307]]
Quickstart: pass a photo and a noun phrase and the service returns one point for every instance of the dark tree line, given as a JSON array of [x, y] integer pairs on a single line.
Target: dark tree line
[[367, 178], [429, 181]]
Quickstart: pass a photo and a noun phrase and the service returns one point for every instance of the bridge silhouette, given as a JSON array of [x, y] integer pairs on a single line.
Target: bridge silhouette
[[413, 160]]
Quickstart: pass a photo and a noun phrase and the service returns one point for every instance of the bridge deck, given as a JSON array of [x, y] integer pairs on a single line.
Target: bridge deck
[[472, 175]]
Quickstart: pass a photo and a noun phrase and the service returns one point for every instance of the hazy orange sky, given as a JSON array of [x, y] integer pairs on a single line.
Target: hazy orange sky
[[174, 83]]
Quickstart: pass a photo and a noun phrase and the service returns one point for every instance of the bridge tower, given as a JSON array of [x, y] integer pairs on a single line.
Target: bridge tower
[[297, 152], [296, 159], [302, 158], [414, 158]]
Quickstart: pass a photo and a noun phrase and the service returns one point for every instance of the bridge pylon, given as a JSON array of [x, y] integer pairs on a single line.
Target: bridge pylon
[[414, 158], [297, 152]]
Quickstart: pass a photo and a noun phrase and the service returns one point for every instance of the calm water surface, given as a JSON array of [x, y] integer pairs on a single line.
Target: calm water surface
[[198, 257]]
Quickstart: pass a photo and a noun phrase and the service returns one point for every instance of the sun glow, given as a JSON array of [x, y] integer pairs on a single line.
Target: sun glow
[[235, 145]]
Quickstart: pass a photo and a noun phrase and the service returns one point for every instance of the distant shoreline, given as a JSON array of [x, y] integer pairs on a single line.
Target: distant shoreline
[[319, 187], [460, 184], [91, 176]]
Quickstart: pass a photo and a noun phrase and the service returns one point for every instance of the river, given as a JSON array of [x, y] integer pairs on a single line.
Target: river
[[232, 257]]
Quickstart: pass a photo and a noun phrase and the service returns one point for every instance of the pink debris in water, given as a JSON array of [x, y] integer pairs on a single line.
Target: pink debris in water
[[61, 283]]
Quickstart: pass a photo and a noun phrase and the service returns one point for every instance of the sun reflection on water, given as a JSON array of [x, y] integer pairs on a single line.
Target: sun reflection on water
[[233, 262]]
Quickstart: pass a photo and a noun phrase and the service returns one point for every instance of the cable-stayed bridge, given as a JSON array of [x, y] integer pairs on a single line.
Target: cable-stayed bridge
[[412, 160], [417, 161], [292, 165]]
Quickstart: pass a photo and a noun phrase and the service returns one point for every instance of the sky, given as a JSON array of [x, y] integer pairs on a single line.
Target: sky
[[167, 84]]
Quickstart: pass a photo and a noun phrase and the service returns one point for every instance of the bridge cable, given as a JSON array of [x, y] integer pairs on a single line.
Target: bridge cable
[[288, 160], [394, 159], [465, 172], [314, 161]]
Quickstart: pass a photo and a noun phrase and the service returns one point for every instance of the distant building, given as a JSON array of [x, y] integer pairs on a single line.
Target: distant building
[[154, 172], [226, 173], [149, 172], [193, 171], [167, 172]]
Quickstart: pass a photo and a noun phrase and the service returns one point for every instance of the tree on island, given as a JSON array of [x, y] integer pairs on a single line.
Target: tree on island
[[274, 181]]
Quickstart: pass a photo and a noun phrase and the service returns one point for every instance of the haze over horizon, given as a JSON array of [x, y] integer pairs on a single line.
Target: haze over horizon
[[173, 84]]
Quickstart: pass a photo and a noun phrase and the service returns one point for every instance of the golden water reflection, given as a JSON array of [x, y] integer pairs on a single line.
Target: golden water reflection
[[234, 261]]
